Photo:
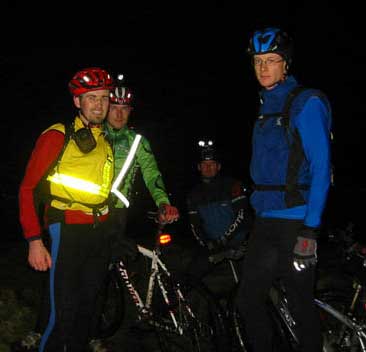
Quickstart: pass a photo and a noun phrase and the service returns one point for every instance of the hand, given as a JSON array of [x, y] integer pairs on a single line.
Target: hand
[[168, 214], [38, 256], [304, 253], [217, 244]]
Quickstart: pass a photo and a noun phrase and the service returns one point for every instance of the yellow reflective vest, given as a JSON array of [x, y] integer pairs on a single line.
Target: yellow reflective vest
[[82, 181]]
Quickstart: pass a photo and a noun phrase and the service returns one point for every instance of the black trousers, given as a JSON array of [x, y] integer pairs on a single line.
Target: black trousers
[[116, 226], [269, 257], [80, 255]]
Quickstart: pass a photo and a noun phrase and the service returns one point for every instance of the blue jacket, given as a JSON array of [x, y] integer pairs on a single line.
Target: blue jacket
[[310, 115], [217, 207]]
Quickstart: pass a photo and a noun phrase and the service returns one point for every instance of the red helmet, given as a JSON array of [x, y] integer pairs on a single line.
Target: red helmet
[[89, 79], [120, 94]]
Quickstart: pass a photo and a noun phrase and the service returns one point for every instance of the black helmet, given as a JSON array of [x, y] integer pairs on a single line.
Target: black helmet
[[207, 150], [120, 94], [271, 40]]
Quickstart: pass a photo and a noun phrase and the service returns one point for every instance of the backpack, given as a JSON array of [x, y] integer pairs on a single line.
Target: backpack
[[41, 194], [293, 196]]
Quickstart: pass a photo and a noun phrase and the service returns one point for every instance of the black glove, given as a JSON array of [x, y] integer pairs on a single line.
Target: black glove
[[216, 244], [305, 248], [124, 248]]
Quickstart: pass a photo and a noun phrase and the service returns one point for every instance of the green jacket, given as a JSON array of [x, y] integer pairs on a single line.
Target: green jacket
[[144, 159]]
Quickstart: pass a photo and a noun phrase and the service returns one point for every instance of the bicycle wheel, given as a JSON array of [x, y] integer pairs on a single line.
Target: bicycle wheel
[[199, 318], [284, 336], [110, 305], [337, 336], [239, 341]]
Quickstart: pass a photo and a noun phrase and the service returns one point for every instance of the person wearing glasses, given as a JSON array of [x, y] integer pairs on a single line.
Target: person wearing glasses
[[291, 170]]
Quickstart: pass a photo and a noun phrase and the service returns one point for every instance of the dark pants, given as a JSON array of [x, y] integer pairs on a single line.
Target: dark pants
[[117, 225], [219, 278], [80, 258], [269, 257]]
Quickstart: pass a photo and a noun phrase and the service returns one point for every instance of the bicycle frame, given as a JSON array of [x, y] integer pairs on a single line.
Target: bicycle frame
[[279, 301], [351, 323], [144, 308]]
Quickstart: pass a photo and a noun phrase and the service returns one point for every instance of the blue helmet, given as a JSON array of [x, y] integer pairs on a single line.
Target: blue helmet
[[271, 40]]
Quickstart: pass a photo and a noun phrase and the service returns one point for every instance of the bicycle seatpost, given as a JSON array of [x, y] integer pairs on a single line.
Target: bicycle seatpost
[[157, 238]]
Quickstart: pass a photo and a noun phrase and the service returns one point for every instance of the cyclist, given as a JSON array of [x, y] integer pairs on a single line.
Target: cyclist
[[77, 163], [122, 137], [122, 140], [219, 213], [290, 167]]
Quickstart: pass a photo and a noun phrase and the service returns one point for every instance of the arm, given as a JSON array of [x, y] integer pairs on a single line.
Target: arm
[[44, 154], [154, 183], [314, 128], [151, 173], [314, 124], [243, 217]]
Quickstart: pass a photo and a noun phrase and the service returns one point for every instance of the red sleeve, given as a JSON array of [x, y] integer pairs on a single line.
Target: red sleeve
[[48, 147]]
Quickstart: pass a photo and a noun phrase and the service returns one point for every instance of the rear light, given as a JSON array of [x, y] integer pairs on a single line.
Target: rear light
[[165, 238]]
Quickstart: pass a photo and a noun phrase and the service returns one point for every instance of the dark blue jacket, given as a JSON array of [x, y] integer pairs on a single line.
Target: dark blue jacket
[[218, 206]]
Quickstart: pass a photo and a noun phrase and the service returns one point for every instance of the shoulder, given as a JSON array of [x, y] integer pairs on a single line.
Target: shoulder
[[312, 96], [230, 181], [195, 193], [144, 142], [59, 127], [132, 133]]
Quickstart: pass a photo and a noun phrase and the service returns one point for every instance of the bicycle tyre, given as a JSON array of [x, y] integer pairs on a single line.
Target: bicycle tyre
[[203, 332], [239, 341], [282, 340], [336, 335], [284, 336], [110, 305]]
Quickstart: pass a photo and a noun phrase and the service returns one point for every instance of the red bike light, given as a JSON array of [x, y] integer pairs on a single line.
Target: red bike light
[[165, 238]]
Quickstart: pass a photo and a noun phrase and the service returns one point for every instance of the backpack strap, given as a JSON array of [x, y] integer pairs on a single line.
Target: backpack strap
[[293, 196], [41, 192]]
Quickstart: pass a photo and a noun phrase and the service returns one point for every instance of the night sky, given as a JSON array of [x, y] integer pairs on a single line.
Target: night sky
[[187, 65]]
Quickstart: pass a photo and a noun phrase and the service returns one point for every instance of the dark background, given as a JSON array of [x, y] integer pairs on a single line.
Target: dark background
[[187, 65]]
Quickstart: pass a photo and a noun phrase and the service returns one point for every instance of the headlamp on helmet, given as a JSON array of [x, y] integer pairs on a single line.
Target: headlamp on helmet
[[207, 150], [120, 94]]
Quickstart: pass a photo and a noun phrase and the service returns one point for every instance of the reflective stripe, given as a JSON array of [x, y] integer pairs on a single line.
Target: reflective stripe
[[78, 184], [122, 173]]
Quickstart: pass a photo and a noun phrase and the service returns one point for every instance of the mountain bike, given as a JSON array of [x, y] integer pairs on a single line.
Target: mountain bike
[[183, 320], [342, 312]]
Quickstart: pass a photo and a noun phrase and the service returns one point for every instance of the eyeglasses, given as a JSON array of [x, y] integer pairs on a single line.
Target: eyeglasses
[[268, 62]]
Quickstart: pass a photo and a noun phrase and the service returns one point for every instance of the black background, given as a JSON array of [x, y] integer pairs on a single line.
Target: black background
[[187, 65]]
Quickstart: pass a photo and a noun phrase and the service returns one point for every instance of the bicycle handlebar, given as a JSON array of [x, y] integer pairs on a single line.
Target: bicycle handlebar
[[229, 254]]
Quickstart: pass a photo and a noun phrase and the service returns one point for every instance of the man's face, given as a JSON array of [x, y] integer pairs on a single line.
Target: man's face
[[209, 168], [118, 115], [93, 105], [269, 69]]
